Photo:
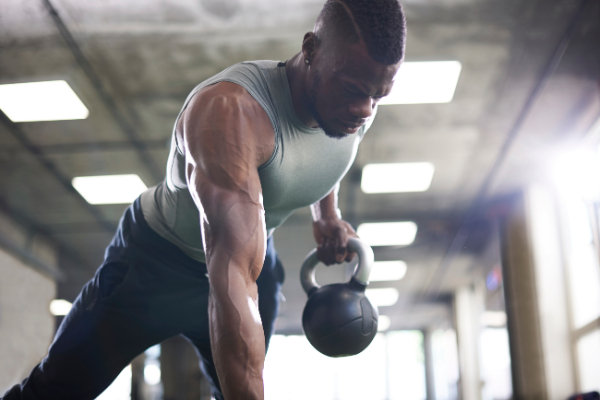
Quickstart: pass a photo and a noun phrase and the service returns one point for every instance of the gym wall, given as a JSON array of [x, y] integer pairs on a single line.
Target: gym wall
[[26, 325]]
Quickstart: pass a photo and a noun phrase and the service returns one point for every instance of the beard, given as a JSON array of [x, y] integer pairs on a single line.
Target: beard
[[312, 108]]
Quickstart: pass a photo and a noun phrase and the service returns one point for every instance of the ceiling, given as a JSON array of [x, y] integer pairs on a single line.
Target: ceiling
[[133, 63]]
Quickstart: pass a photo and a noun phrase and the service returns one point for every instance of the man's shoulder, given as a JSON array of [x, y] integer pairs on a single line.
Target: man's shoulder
[[246, 69]]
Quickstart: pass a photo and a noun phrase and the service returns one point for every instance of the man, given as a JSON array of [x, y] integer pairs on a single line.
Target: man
[[194, 255]]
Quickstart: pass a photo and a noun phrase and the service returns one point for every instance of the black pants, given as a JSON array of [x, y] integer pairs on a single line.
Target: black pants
[[146, 291]]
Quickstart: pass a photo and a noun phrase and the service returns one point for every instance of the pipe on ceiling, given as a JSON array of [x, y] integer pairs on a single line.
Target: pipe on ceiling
[[105, 97], [48, 165]]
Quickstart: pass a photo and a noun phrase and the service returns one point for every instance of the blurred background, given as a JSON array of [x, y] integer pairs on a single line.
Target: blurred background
[[478, 186]]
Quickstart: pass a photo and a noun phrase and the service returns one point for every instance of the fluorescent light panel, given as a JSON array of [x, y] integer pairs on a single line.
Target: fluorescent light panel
[[397, 177], [424, 82], [388, 233], [382, 297], [387, 271], [41, 101], [493, 318], [109, 189], [60, 307], [383, 323]]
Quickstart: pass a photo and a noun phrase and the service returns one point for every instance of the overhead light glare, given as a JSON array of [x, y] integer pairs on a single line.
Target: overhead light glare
[[382, 297], [424, 82], [152, 374], [494, 319], [109, 189], [383, 324], [60, 307], [397, 177], [387, 271], [41, 101], [388, 233]]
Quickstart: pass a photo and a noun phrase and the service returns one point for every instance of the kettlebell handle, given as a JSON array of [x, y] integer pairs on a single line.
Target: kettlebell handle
[[361, 273]]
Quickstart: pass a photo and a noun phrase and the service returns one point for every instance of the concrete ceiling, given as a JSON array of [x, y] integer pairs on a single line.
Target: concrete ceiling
[[133, 63]]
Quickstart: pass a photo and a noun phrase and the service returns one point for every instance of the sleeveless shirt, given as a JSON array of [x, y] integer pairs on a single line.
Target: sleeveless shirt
[[304, 167]]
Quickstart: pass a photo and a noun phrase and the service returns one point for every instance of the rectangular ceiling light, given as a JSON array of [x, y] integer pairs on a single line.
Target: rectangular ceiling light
[[382, 297], [387, 271], [41, 101], [109, 189], [424, 82], [493, 318], [388, 233], [397, 177], [60, 307]]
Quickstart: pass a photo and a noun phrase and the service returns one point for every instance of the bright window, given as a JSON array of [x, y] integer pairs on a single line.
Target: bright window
[[391, 368], [120, 389], [588, 351], [584, 270]]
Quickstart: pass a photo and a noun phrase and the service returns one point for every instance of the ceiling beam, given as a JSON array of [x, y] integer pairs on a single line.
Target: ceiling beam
[[96, 147], [27, 223], [49, 166], [131, 134]]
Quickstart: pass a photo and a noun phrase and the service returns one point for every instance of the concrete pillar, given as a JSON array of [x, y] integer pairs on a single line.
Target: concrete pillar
[[526, 352], [137, 377], [468, 303], [180, 371], [536, 302], [429, 364]]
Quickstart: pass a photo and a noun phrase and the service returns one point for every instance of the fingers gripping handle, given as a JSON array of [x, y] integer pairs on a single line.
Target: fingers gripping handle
[[361, 273]]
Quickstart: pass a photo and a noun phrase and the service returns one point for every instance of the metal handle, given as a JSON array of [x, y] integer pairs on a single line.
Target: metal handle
[[361, 273]]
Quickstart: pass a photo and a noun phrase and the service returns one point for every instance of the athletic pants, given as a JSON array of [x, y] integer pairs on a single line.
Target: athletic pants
[[146, 291]]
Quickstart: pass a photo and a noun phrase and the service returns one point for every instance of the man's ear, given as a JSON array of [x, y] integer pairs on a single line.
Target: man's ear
[[309, 45]]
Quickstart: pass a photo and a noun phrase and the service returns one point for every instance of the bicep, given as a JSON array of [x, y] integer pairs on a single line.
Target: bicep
[[222, 174]]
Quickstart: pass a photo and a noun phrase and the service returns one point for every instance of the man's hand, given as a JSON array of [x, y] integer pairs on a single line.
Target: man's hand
[[331, 232], [331, 235]]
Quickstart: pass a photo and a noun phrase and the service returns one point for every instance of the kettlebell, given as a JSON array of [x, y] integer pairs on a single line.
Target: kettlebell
[[338, 319]]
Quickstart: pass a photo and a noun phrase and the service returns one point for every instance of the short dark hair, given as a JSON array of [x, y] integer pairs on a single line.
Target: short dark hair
[[379, 23]]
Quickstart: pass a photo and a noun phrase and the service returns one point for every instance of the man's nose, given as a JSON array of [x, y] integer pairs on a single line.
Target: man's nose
[[362, 108]]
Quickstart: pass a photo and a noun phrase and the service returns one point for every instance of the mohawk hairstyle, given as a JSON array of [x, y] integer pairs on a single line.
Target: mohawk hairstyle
[[379, 23]]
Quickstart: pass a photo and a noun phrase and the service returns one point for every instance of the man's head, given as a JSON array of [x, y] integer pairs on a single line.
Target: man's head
[[352, 56]]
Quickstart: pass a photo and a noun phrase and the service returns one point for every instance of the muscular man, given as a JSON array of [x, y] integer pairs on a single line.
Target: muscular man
[[194, 255]]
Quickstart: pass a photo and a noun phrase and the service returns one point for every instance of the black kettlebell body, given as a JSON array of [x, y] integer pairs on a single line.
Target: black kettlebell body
[[338, 319]]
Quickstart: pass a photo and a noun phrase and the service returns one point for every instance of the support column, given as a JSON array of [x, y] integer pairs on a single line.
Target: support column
[[180, 371], [429, 367], [137, 377], [536, 302], [467, 311], [528, 375]]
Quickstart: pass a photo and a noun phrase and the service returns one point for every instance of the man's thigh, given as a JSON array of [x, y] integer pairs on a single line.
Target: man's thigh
[[137, 298], [96, 340]]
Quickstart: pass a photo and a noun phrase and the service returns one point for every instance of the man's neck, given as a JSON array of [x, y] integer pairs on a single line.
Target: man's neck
[[296, 69]]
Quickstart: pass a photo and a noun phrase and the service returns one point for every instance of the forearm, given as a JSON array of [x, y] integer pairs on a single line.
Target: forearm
[[235, 249], [237, 338], [326, 207]]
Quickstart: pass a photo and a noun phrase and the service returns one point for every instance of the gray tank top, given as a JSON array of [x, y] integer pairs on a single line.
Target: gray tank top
[[304, 167]]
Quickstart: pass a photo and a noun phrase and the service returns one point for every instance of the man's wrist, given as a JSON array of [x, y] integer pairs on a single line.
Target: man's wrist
[[330, 215]]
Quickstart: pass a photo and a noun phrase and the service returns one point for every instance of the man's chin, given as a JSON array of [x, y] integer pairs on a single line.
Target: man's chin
[[334, 134]]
